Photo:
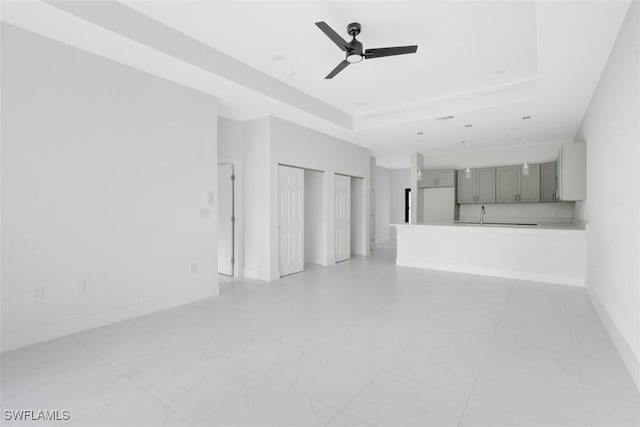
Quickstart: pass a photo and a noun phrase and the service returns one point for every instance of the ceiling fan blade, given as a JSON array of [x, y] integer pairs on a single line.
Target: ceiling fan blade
[[389, 51], [339, 41], [341, 66]]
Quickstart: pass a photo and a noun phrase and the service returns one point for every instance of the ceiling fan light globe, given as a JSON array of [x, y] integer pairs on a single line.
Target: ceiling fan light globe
[[354, 58]]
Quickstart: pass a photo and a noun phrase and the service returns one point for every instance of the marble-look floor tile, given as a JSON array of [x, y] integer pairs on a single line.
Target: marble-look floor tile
[[361, 343], [393, 401], [608, 410], [481, 412], [137, 407], [446, 358], [520, 382], [343, 419]]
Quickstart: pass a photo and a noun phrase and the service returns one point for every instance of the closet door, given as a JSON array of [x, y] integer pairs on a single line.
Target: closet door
[[343, 218], [291, 219]]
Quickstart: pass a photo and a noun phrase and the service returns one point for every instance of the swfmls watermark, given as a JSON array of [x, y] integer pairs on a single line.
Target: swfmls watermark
[[36, 415]]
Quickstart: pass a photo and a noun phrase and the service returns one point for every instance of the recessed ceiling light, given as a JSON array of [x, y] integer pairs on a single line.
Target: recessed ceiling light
[[515, 129], [420, 133], [468, 125], [289, 71], [501, 71], [359, 104], [519, 139], [444, 118], [526, 117], [463, 141], [278, 57]]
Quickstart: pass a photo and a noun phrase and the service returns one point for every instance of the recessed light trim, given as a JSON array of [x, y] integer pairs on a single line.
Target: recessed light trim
[[420, 133], [526, 117], [514, 129], [444, 118], [468, 125]]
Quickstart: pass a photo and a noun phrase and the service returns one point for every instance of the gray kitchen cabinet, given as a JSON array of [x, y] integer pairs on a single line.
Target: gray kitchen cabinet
[[466, 188], [437, 178], [514, 187], [507, 184], [480, 188], [548, 182], [572, 179], [485, 185], [529, 185]]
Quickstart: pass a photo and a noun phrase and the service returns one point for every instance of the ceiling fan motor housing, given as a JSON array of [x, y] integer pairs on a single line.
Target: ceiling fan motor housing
[[353, 29]]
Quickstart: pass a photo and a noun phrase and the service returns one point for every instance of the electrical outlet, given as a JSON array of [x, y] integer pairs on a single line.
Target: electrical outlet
[[193, 267]]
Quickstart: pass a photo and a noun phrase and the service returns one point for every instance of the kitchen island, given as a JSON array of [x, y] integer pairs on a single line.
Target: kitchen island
[[551, 253]]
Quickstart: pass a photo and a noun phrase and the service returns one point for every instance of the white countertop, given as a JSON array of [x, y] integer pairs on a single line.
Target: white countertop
[[519, 226]]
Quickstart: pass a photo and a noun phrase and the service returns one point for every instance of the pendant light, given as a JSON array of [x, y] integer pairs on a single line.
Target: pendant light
[[525, 166], [467, 171]]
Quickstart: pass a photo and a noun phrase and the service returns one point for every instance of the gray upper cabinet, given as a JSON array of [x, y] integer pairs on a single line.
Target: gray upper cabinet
[[572, 178], [512, 186], [548, 182], [485, 185], [466, 188], [480, 188], [529, 190], [438, 178], [507, 184]]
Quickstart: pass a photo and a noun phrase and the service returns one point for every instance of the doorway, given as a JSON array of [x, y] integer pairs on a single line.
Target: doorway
[[342, 217], [358, 217], [226, 219]]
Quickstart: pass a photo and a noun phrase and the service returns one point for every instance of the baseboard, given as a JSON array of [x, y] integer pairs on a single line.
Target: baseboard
[[493, 272], [625, 352], [55, 330]]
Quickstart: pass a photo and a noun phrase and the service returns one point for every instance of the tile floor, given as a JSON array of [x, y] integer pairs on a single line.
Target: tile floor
[[357, 344]]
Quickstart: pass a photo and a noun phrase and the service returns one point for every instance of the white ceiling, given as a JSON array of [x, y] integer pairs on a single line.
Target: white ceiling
[[487, 63]]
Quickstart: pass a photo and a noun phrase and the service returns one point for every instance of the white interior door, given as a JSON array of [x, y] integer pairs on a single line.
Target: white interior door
[[291, 219], [225, 219], [343, 218]]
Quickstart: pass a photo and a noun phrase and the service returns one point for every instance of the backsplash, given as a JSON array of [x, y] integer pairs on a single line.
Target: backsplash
[[520, 212]]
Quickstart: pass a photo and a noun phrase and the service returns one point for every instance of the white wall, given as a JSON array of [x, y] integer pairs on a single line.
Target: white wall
[[610, 129], [358, 218], [106, 172], [400, 180], [314, 223], [257, 176], [383, 204], [390, 186], [231, 150], [230, 139]]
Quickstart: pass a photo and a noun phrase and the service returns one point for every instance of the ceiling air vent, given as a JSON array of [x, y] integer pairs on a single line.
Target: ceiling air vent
[[444, 118]]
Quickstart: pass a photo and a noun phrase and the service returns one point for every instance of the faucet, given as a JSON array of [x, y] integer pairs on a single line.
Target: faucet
[[482, 212]]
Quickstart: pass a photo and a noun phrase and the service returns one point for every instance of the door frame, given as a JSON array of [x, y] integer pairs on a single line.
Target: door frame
[[238, 212]]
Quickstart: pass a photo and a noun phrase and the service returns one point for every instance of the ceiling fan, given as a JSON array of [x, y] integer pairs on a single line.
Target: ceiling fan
[[354, 51]]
